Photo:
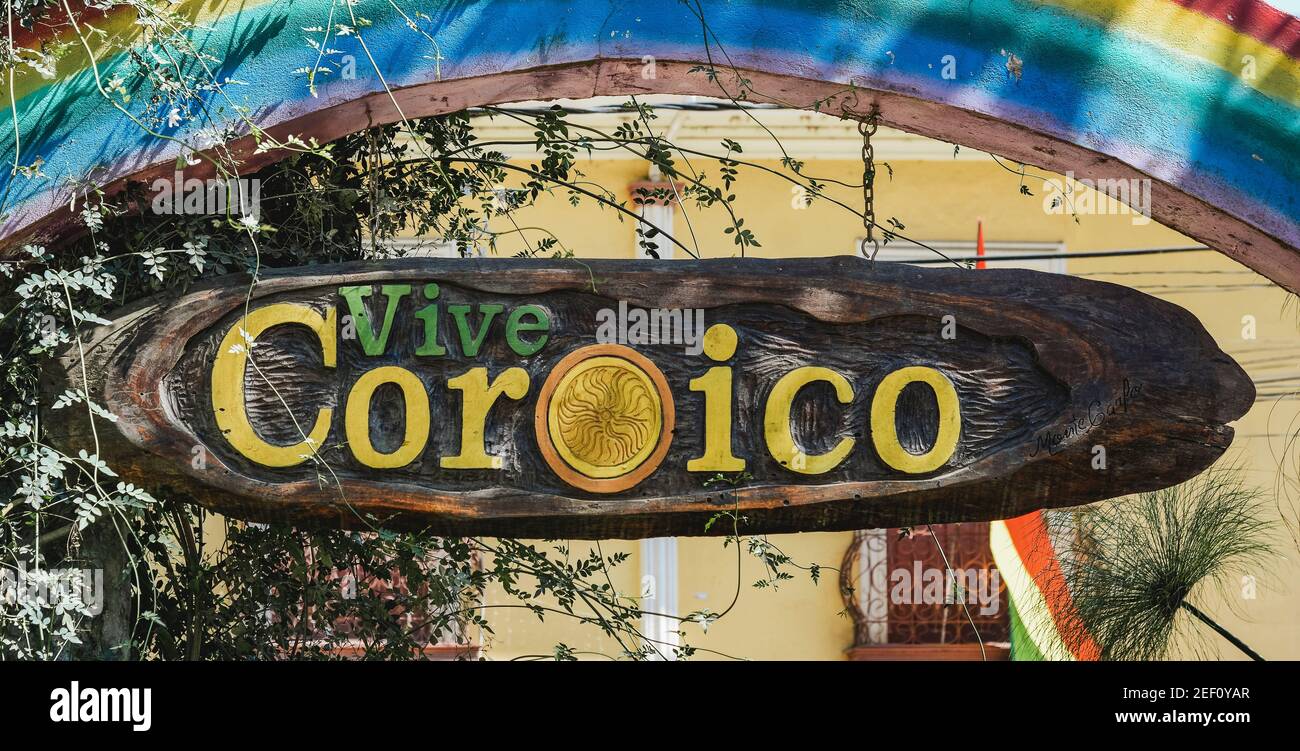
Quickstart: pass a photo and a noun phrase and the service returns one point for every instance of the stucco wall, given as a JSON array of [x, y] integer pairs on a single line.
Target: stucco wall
[[940, 201]]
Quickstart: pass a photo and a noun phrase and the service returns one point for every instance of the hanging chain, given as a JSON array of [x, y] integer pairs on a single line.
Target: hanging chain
[[867, 128]]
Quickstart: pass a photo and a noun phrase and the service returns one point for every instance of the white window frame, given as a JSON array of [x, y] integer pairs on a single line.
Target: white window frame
[[904, 251], [427, 247]]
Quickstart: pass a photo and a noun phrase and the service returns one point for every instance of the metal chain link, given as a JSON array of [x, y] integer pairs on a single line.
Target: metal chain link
[[867, 128]]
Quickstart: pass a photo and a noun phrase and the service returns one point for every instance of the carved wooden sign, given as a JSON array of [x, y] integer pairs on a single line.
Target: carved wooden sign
[[633, 398]]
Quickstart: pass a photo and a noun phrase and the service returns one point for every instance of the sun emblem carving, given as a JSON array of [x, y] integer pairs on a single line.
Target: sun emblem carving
[[602, 418], [607, 414]]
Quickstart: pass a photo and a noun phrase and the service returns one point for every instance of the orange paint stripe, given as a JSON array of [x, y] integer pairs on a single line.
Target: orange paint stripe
[[1263, 22], [1185, 28], [47, 26], [1029, 534], [54, 31], [120, 32]]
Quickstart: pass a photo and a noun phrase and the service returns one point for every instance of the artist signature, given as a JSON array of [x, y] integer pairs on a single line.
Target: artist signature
[[1050, 440]]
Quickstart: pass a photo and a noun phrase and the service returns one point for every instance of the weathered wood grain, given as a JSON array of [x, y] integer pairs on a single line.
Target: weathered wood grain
[[1046, 368]]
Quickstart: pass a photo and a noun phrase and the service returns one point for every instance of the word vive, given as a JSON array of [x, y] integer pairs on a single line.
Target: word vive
[[489, 397], [604, 420]]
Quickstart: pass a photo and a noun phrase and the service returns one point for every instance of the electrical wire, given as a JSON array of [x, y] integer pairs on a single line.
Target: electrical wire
[[1067, 256]]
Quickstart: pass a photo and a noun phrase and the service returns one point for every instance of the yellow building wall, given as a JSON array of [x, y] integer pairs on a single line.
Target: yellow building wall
[[935, 200]]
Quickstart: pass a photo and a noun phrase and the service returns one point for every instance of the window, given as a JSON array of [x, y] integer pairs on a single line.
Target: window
[[904, 251], [429, 247], [906, 601]]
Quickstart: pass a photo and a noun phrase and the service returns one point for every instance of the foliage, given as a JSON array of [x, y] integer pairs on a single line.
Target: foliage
[[1133, 566], [204, 587]]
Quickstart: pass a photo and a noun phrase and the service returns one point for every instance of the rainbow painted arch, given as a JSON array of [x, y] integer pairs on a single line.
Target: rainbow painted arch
[[1200, 96]]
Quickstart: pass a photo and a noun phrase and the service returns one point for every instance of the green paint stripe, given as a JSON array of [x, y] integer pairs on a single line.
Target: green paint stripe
[[1022, 646]]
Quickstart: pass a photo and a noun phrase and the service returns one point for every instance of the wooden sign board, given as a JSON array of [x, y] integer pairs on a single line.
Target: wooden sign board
[[595, 399]]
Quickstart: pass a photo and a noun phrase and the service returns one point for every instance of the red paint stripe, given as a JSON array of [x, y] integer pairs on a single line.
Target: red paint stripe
[[1029, 535], [55, 21], [1253, 18]]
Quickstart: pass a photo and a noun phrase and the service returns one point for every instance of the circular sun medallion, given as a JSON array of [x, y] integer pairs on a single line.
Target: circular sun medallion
[[604, 419]]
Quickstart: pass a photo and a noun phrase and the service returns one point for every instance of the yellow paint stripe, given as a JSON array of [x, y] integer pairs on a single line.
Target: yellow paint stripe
[[106, 36], [1034, 613], [1276, 74]]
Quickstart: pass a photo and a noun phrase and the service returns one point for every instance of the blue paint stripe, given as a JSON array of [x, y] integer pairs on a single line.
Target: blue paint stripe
[[1079, 79]]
